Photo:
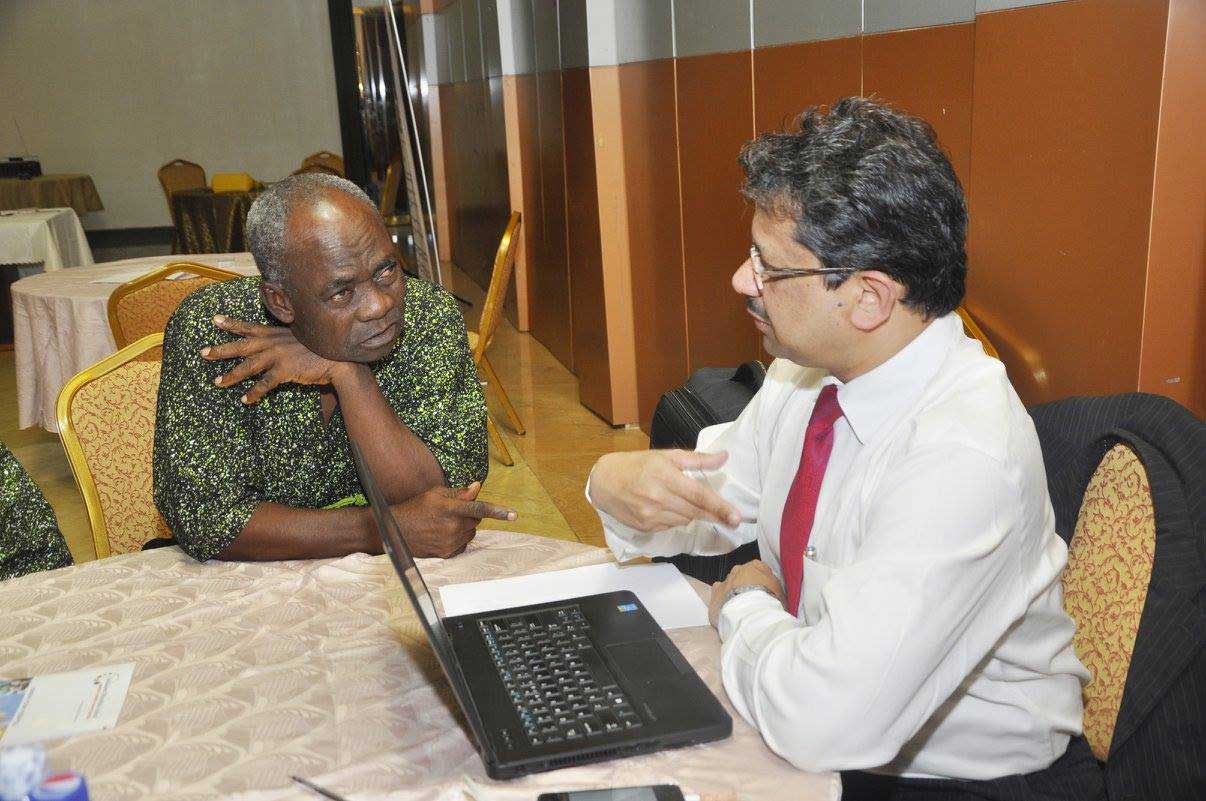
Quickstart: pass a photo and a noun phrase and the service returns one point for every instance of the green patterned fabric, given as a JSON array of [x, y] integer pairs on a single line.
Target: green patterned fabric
[[216, 459], [30, 539]]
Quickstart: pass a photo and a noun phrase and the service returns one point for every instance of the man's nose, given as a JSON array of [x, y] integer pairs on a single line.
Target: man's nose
[[743, 280], [377, 304]]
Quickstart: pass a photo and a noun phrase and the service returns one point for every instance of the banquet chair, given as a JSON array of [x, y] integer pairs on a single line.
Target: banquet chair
[[107, 425], [326, 158], [479, 341], [175, 176], [1127, 479], [144, 306], [973, 330]]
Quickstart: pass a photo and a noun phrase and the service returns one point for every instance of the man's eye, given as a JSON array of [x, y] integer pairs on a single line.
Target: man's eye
[[387, 273], [341, 295]]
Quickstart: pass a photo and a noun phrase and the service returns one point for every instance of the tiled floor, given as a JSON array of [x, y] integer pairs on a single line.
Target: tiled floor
[[552, 459]]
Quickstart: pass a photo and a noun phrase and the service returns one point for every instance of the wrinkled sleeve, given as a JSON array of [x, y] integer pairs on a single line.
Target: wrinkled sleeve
[[30, 539], [204, 456], [932, 589], [442, 401]]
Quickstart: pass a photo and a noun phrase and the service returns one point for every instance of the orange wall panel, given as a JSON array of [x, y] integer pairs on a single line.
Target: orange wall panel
[[584, 254], [549, 275], [715, 217], [927, 72], [647, 101], [1065, 98], [790, 78], [1173, 358]]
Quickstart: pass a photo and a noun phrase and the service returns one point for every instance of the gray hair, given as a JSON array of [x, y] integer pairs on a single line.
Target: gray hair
[[269, 214]]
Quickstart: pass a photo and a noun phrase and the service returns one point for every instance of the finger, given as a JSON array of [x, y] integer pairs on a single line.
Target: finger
[[239, 348], [484, 509], [260, 388], [707, 503], [248, 368], [470, 492], [694, 460], [241, 328]]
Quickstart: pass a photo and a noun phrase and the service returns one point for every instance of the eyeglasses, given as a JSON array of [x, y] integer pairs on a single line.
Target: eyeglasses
[[764, 275]]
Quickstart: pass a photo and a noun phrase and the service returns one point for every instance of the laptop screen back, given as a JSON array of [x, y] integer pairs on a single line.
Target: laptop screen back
[[417, 592]]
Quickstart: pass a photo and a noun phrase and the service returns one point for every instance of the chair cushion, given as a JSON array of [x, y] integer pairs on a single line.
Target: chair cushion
[[1105, 584]]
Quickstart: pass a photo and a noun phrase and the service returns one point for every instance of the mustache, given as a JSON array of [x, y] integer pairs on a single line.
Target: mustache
[[755, 307]]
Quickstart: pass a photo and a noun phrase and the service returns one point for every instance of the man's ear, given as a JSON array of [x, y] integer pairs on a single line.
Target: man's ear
[[277, 301], [877, 295]]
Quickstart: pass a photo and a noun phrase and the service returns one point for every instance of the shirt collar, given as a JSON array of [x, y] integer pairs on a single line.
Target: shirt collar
[[878, 395]]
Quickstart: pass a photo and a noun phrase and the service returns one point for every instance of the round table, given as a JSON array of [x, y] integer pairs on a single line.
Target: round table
[[75, 190], [210, 222], [248, 673], [61, 325]]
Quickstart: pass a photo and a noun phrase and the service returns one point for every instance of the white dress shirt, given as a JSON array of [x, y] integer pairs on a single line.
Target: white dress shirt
[[931, 639]]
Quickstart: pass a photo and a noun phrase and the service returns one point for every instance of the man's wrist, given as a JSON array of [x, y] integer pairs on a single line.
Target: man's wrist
[[744, 588], [349, 375]]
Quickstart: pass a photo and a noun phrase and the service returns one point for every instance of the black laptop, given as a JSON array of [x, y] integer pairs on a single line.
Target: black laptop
[[559, 684]]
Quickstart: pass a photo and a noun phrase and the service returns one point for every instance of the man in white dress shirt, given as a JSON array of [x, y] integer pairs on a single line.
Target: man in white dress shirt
[[888, 472]]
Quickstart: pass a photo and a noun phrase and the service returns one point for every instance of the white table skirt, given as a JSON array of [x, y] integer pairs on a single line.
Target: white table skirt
[[61, 326], [246, 674], [52, 238]]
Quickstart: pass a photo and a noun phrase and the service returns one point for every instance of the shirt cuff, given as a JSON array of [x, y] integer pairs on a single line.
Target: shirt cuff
[[748, 624]]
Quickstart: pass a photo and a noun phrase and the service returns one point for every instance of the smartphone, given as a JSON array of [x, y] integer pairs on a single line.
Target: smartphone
[[649, 792]]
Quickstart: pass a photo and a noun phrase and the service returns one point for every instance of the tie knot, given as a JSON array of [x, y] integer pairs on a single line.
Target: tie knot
[[826, 411]]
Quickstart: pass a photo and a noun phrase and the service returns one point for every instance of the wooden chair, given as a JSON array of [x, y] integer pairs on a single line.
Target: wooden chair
[[174, 176], [332, 161], [144, 306], [479, 341], [973, 330], [389, 195], [107, 425], [305, 168]]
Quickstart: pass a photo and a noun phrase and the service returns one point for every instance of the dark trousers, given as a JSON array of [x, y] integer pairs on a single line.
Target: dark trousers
[[1076, 776]]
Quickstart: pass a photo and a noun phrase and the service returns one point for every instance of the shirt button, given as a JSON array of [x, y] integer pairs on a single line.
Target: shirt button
[[810, 552]]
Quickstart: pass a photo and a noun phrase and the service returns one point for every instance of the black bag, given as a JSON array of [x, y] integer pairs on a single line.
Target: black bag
[[712, 395]]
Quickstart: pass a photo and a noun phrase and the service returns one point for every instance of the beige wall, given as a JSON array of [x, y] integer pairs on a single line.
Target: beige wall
[[117, 89]]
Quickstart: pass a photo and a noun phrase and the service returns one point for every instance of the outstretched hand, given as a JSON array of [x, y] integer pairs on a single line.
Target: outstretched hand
[[649, 490]]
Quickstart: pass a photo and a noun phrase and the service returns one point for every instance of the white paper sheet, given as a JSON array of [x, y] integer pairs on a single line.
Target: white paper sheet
[[661, 588], [122, 276], [62, 704]]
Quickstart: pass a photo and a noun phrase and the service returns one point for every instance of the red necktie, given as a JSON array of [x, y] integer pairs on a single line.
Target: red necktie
[[801, 505]]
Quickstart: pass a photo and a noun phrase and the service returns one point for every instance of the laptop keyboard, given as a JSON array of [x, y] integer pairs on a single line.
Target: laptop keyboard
[[558, 683]]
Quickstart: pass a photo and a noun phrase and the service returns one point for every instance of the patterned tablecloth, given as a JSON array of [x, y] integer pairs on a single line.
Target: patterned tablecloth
[[210, 222], [61, 325], [64, 189], [249, 673]]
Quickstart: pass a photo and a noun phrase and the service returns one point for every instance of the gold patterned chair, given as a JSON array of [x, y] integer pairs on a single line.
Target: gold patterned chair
[[325, 158], [144, 305], [973, 330], [107, 425], [1109, 567], [176, 175], [479, 341]]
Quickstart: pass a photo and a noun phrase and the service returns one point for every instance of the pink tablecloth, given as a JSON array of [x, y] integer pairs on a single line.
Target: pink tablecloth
[[61, 325], [248, 673]]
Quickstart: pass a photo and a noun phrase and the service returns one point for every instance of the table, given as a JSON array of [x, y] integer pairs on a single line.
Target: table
[[210, 222], [75, 190], [53, 238], [247, 673], [61, 325]]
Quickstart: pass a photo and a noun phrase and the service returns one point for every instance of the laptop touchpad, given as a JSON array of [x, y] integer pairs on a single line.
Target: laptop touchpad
[[643, 661]]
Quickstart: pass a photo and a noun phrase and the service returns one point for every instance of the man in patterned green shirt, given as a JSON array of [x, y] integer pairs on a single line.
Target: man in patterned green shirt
[[264, 382], [30, 539]]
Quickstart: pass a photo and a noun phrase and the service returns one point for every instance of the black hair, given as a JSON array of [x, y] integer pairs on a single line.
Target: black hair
[[868, 189]]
